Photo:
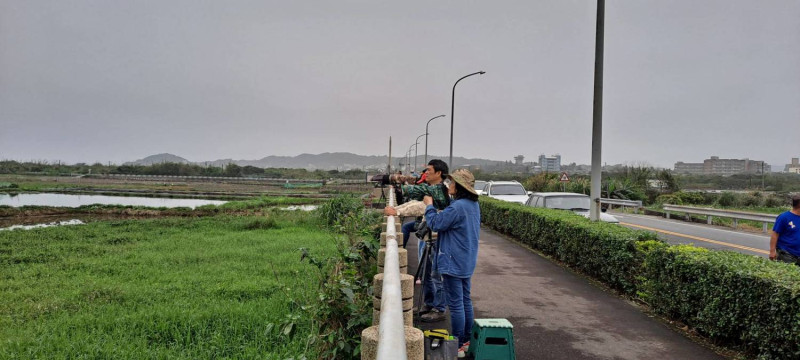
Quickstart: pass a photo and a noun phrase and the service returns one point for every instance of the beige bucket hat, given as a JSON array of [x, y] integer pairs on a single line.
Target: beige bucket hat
[[464, 178]]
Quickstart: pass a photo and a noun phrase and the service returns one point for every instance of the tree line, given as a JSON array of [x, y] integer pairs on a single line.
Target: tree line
[[172, 169]]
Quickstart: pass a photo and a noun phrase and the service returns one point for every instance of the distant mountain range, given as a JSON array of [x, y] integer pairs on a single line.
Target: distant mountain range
[[326, 161]]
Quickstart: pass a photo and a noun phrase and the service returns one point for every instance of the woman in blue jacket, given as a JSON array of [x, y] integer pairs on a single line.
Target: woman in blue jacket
[[458, 226]]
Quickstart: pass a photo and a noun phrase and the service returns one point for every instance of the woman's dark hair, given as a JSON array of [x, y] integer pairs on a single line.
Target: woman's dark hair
[[462, 193]]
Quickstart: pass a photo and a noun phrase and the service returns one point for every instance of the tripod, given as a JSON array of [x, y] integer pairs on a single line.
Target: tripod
[[383, 194], [425, 262]]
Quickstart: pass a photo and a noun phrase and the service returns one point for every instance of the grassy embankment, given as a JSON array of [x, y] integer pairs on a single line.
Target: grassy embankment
[[217, 286]]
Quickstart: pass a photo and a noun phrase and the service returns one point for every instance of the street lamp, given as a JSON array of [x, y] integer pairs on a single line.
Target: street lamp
[[597, 114], [426, 137], [408, 158], [452, 110], [415, 150]]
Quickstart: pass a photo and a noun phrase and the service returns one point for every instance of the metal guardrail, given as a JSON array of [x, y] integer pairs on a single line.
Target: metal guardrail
[[391, 331], [766, 219], [635, 204]]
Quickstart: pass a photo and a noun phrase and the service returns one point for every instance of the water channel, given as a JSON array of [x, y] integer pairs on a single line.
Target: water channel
[[68, 200]]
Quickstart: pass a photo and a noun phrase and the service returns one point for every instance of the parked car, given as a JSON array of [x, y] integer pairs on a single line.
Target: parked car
[[506, 190], [479, 184], [577, 203]]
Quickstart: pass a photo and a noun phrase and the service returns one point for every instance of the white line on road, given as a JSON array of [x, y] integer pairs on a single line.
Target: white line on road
[[675, 222]]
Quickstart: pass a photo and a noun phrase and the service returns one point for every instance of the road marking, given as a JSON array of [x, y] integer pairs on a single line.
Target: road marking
[[681, 223], [698, 238]]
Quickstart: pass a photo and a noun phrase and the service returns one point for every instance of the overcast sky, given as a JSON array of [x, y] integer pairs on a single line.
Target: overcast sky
[[86, 81]]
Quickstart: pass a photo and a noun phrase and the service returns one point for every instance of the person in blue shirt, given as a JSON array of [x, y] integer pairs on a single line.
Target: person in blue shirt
[[784, 244], [458, 226]]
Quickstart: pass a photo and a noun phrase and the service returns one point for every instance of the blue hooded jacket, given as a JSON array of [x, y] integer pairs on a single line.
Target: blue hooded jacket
[[459, 226]]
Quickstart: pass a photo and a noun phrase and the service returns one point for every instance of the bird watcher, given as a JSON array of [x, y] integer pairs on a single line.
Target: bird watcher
[[434, 304], [784, 244], [458, 226]]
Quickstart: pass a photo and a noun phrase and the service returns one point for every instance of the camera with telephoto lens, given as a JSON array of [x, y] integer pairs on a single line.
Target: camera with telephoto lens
[[421, 229]]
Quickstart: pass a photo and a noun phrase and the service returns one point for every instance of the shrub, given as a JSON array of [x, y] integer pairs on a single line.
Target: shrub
[[669, 199], [732, 298], [693, 198], [344, 304], [773, 201], [347, 214], [605, 251], [751, 201], [727, 199], [728, 297]]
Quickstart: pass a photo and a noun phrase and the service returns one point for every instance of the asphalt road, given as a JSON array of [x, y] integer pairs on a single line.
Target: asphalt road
[[708, 236], [560, 315]]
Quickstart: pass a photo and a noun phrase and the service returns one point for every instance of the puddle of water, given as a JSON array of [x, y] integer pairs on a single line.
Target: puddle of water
[[55, 223], [68, 200], [301, 207]]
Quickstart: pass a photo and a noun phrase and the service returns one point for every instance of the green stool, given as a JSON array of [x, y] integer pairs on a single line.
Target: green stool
[[492, 339]]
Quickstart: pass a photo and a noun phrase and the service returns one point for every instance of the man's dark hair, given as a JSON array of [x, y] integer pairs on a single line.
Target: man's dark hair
[[439, 165], [462, 193], [796, 201]]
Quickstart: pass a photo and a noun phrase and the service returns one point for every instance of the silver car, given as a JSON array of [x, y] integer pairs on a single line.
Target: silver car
[[479, 184], [507, 191], [577, 203]]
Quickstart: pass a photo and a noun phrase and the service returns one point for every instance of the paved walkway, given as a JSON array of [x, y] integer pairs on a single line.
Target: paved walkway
[[559, 315]]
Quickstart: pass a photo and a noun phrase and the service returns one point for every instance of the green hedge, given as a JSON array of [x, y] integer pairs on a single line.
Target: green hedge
[[605, 251], [731, 298]]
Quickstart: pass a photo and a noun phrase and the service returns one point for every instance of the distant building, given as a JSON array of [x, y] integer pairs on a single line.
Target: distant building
[[717, 166], [689, 168], [518, 160], [551, 163], [794, 167]]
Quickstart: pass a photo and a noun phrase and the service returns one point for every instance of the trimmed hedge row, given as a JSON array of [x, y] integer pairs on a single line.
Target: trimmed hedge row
[[731, 298], [605, 251]]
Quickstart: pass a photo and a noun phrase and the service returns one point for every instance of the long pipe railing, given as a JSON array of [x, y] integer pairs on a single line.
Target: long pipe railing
[[391, 331], [765, 219]]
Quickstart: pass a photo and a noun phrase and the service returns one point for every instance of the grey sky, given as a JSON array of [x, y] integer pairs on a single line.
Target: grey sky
[[85, 81]]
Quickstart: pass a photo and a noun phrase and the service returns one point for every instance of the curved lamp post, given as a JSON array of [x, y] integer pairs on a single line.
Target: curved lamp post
[[415, 150], [408, 158], [452, 110], [426, 136]]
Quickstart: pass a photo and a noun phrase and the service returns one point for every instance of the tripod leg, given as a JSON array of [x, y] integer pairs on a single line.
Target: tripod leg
[[421, 263], [422, 270]]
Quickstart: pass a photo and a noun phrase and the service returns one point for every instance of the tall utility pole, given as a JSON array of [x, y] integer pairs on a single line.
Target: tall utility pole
[[597, 114], [389, 165]]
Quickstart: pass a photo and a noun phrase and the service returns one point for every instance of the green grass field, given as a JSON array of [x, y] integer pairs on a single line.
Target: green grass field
[[167, 288]]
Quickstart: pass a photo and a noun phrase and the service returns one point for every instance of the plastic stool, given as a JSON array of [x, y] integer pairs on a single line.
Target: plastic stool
[[492, 339]]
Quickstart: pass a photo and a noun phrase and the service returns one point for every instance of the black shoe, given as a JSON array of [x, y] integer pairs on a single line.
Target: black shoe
[[425, 309], [433, 316]]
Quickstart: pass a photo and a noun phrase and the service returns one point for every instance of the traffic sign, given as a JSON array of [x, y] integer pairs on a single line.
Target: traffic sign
[[564, 177]]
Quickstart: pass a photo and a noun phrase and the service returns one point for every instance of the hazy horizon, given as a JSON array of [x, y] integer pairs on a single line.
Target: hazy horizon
[[95, 81]]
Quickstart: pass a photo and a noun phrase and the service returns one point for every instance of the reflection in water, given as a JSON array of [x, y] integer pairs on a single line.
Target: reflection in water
[[55, 223], [66, 200]]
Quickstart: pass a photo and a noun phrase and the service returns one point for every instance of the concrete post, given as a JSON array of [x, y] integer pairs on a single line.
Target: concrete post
[[407, 290], [415, 343], [402, 257]]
